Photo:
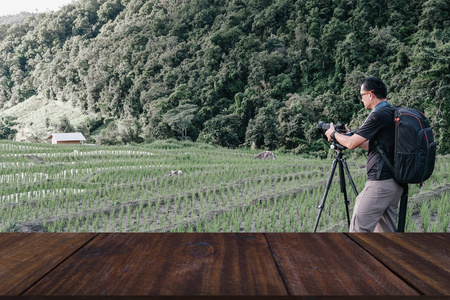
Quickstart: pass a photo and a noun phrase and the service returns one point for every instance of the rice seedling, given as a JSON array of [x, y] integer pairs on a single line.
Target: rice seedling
[[426, 215], [79, 188]]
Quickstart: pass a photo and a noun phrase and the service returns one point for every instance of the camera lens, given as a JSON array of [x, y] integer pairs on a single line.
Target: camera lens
[[322, 126]]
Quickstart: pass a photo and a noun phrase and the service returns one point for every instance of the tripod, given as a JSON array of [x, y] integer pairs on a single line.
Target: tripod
[[342, 164]]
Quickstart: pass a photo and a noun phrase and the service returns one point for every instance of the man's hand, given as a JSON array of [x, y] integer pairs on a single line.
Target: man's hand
[[351, 142], [329, 132]]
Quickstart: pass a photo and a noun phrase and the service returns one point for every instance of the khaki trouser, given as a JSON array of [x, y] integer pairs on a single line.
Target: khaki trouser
[[376, 207]]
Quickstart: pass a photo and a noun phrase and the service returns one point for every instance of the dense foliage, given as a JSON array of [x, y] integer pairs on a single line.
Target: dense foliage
[[16, 19], [231, 72]]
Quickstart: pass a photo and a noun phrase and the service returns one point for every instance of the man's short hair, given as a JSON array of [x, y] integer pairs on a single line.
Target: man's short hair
[[375, 84]]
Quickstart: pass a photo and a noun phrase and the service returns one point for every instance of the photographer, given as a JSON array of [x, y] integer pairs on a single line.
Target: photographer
[[376, 206]]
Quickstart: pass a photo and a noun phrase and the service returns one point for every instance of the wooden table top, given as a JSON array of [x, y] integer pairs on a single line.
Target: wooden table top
[[212, 264]]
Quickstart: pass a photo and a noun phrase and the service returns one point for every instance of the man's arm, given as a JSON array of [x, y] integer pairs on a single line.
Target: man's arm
[[351, 142], [365, 145]]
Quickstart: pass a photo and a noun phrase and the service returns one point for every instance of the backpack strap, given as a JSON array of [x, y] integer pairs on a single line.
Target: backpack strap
[[384, 160], [380, 169]]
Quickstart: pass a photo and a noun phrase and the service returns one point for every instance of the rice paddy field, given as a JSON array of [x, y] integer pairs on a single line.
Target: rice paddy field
[[170, 186]]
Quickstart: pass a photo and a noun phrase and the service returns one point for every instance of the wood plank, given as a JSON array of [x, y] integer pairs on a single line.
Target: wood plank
[[332, 264], [423, 259], [167, 264], [26, 257]]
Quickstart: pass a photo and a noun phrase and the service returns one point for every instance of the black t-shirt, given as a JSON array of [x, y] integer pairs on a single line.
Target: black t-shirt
[[379, 126]]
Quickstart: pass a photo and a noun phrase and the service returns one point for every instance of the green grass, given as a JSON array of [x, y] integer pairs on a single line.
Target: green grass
[[76, 188]]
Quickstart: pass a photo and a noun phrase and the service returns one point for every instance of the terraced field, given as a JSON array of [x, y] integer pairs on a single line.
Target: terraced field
[[170, 186]]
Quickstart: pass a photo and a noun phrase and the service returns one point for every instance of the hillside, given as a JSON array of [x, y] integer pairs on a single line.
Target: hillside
[[232, 73], [16, 19], [35, 116]]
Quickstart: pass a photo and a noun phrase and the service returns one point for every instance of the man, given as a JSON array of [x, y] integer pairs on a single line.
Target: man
[[376, 206]]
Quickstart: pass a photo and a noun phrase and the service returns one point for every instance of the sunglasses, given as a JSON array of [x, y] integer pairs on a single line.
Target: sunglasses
[[365, 93]]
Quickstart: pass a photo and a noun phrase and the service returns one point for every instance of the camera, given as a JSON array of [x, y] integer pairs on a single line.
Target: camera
[[339, 127], [322, 127]]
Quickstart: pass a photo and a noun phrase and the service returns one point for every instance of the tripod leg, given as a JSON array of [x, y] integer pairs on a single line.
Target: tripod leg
[[352, 183], [402, 210], [344, 189], [322, 204], [349, 176]]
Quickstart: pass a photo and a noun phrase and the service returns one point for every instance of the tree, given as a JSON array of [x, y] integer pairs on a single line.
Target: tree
[[119, 132], [222, 130], [262, 131], [292, 116], [109, 10], [6, 131], [181, 117], [64, 125]]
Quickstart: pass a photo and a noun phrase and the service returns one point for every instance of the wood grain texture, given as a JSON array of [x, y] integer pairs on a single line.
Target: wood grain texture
[[26, 257], [332, 264], [167, 264], [423, 259]]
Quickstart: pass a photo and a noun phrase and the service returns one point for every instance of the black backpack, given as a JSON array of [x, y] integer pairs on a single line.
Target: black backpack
[[415, 149], [414, 154]]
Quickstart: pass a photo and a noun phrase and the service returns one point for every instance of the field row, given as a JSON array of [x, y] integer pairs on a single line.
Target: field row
[[184, 187]]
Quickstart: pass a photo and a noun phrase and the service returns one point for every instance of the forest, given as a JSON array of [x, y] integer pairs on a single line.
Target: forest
[[232, 73]]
